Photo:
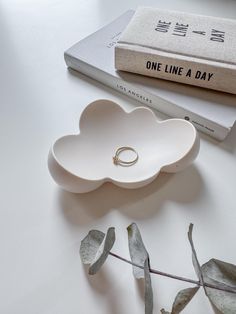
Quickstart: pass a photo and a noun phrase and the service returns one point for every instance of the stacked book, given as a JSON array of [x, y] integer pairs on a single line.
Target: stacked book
[[211, 112]]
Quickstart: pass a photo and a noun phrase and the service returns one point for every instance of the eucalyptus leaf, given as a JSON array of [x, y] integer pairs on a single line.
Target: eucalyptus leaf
[[138, 252], [196, 264], [95, 248], [90, 245], [182, 299], [223, 275], [148, 288], [139, 256], [103, 251], [220, 271]]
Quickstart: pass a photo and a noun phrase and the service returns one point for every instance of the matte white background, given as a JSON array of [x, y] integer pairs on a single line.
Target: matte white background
[[41, 226]]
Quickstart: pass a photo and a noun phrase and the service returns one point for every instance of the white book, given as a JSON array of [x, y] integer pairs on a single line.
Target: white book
[[213, 113]]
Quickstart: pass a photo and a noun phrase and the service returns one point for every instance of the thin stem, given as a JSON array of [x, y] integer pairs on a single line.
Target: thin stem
[[157, 272]]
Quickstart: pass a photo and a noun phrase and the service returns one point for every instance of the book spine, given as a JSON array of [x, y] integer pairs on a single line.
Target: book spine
[[172, 110], [188, 70]]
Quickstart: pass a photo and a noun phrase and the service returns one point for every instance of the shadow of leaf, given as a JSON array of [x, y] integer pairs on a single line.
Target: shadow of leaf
[[101, 284]]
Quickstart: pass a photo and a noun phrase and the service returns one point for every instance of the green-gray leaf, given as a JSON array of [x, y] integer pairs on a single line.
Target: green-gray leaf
[[196, 264], [182, 299], [223, 275], [148, 288], [95, 248], [138, 252], [139, 256], [89, 246]]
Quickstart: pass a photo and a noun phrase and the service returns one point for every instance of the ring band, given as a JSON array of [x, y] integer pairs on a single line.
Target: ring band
[[118, 161]]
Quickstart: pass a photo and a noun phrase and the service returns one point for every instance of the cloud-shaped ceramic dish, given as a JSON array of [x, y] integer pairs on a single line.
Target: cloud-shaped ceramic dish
[[81, 163]]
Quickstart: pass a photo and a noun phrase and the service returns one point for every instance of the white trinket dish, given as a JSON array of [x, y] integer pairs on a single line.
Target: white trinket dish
[[82, 162]]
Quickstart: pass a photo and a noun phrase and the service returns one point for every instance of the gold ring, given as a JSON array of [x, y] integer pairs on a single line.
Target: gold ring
[[124, 163]]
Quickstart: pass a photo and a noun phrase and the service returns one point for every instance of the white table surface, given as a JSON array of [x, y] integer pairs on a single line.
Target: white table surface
[[41, 226]]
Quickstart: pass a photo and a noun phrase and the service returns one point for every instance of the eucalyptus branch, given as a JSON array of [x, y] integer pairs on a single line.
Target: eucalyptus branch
[[217, 278], [157, 272]]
